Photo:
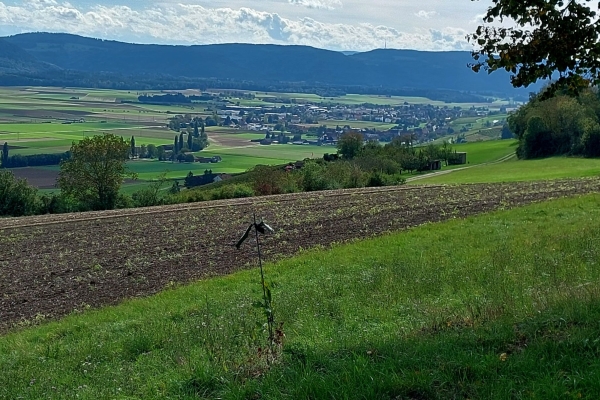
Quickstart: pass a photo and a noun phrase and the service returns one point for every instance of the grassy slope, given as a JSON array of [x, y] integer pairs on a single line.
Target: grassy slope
[[522, 170], [488, 151], [504, 305]]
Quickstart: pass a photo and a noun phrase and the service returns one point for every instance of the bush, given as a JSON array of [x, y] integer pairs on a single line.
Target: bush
[[267, 180], [590, 141], [17, 198], [537, 140], [313, 176], [230, 192], [378, 163], [376, 179], [60, 204]]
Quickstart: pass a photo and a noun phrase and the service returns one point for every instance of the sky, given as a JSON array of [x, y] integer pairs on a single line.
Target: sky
[[341, 25]]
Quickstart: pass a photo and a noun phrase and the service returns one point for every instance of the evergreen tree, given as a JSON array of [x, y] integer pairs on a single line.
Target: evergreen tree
[[190, 141], [175, 148], [133, 147], [196, 132], [4, 154], [180, 147]]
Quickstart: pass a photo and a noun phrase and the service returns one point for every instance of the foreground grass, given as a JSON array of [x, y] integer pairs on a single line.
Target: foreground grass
[[522, 170], [505, 305]]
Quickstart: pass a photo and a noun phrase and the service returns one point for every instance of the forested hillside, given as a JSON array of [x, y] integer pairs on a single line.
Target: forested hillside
[[389, 71]]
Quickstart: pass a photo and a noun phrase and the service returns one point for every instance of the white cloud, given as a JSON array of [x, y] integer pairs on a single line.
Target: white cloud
[[318, 4], [425, 14], [195, 24]]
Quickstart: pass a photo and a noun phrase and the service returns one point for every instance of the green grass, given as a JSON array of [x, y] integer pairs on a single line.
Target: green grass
[[356, 99], [505, 305], [232, 163], [522, 170], [282, 153], [488, 151]]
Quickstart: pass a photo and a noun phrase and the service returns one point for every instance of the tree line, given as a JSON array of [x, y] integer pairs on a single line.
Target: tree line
[[34, 160], [562, 124]]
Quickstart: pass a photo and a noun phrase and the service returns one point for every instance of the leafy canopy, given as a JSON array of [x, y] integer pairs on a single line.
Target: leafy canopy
[[95, 171], [543, 38]]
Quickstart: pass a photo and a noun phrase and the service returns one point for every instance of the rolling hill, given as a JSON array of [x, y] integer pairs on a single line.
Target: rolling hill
[[389, 69], [13, 59]]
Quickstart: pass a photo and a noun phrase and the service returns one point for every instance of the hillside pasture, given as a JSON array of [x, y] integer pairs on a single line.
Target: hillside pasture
[[515, 170], [488, 151]]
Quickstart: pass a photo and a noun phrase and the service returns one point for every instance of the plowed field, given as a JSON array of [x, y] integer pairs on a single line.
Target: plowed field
[[53, 265]]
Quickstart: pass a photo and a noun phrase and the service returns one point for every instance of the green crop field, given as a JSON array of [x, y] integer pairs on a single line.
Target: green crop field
[[498, 306], [152, 169]]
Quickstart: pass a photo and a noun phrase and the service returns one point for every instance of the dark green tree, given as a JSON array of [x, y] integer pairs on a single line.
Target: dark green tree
[[181, 142], [196, 132], [538, 39], [506, 132], [132, 144], [190, 141], [17, 198], [5, 155], [350, 144], [160, 153], [175, 147], [96, 170], [152, 151]]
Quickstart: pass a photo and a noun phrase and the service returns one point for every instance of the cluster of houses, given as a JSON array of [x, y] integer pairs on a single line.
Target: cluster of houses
[[424, 121]]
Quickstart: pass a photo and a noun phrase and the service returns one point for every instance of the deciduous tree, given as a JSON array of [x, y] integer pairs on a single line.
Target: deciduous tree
[[540, 39], [95, 171], [350, 144], [17, 198]]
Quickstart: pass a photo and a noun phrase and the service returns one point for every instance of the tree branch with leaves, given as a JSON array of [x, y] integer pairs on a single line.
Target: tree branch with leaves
[[545, 39]]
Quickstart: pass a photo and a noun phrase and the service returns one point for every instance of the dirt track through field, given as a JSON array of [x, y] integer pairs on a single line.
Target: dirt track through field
[[52, 265]]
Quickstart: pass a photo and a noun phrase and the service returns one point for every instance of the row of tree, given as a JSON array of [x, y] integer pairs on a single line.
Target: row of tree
[[34, 160], [398, 155]]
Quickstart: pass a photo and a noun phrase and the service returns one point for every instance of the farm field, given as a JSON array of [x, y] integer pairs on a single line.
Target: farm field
[[94, 259], [355, 99], [500, 310]]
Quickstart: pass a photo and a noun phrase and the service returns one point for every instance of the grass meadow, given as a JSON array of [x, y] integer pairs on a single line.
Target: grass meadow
[[522, 170], [503, 305], [486, 151]]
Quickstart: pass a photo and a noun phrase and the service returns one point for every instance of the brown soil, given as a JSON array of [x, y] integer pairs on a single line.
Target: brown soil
[[37, 177], [52, 265]]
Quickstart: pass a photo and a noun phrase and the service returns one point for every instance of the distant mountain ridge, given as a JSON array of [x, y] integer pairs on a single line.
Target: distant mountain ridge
[[13, 59], [393, 69]]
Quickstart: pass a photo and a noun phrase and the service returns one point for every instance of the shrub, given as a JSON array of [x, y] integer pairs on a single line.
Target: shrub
[[17, 198], [590, 141]]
